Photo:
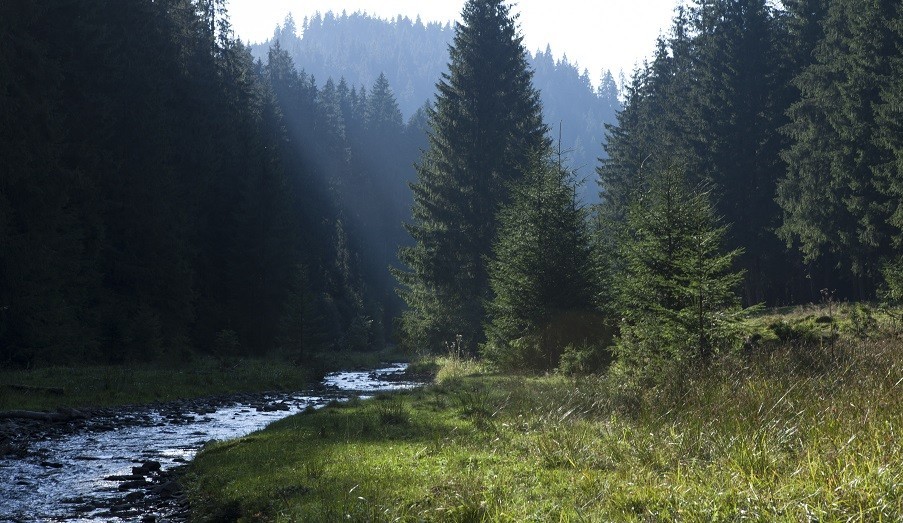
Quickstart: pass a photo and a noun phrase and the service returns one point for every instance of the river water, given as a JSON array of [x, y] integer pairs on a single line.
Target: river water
[[77, 475]]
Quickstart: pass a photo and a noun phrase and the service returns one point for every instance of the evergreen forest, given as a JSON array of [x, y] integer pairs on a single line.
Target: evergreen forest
[[163, 193], [169, 190], [753, 164]]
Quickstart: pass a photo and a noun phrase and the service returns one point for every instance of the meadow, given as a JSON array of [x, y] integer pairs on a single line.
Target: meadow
[[804, 425]]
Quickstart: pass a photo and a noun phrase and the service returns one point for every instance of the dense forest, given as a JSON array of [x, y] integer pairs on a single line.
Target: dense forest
[[756, 161], [412, 55], [167, 193], [164, 193], [789, 117]]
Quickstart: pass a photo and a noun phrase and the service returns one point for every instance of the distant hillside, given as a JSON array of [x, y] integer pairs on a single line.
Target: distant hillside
[[413, 55]]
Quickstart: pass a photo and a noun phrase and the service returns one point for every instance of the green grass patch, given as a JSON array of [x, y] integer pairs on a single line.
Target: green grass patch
[[759, 438], [822, 321]]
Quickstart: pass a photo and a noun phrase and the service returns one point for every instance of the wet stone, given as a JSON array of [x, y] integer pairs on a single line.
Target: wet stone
[[146, 468], [135, 496], [166, 490], [132, 485], [130, 477]]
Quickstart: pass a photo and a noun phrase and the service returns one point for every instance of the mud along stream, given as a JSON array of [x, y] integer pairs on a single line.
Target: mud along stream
[[115, 465]]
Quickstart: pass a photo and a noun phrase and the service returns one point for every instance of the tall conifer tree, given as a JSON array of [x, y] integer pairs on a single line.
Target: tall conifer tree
[[890, 120], [714, 96], [486, 123], [834, 196], [540, 272], [741, 94]]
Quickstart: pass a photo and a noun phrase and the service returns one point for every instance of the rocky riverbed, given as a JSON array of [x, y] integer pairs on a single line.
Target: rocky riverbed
[[122, 464]]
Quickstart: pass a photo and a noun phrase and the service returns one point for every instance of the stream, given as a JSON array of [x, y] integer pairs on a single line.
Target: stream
[[118, 466]]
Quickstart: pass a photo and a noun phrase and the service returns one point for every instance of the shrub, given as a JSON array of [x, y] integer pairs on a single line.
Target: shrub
[[584, 359]]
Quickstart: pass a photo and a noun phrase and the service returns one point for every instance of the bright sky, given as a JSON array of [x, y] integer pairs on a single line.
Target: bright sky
[[597, 34]]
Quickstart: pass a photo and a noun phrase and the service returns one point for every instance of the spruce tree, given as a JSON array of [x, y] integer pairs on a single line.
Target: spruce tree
[[739, 94], [656, 121], [835, 194], [540, 272], [677, 291], [388, 196], [714, 96], [890, 135], [485, 124]]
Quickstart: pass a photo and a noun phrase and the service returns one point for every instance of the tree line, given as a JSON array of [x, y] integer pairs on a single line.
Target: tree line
[[756, 161], [789, 115], [413, 54]]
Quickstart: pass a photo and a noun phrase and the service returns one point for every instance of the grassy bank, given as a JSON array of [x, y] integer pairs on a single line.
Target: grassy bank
[[798, 431], [110, 385]]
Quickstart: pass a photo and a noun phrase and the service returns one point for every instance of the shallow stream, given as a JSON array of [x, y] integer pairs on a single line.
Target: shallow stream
[[94, 472]]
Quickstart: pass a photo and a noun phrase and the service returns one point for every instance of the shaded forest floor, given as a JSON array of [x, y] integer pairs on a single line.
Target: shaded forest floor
[[51, 388], [803, 426]]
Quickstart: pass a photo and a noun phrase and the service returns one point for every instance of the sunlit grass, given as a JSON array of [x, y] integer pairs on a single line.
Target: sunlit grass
[[761, 438], [454, 367]]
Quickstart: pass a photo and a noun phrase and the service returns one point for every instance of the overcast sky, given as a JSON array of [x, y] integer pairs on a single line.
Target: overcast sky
[[597, 34]]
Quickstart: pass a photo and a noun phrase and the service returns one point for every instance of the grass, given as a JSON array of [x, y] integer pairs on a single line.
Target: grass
[[114, 385], [760, 437]]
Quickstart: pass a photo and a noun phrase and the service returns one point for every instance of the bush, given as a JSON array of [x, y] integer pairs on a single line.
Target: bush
[[862, 322], [798, 332], [584, 359], [543, 350]]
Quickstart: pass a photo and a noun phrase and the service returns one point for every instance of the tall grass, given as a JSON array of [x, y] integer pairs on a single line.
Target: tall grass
[[455, 366], [792, 432]]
